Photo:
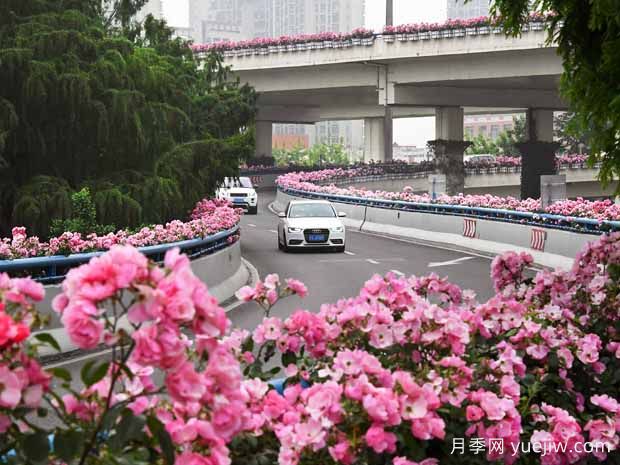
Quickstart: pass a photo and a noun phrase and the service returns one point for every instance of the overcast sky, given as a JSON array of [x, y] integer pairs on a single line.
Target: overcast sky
[[406, 131]]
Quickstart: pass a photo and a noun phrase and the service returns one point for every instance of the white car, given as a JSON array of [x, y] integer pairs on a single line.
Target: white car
[[311, 223], [240, 192]]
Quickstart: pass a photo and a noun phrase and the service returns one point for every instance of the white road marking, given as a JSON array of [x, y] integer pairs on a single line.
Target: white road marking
[[273, 231], [398, 273], [360, 260], [448, 263], [251, 225], [348, 253]]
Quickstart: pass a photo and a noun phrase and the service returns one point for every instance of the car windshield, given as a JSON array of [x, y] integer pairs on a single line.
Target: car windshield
[[311, 210], [237, 182]]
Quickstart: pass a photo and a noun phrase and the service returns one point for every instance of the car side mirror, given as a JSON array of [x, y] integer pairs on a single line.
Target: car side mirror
[[282, 214], [342, 214]]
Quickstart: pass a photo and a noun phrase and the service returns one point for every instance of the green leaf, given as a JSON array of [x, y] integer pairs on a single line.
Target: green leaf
[[288, 358], [163, 439], [92, 373], [61, 373], [68, 444], [129, 428], [48, 339], [111, 416], [36, 447]]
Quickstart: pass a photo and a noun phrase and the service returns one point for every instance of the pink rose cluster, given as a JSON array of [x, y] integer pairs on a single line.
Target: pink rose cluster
[[22, 380], [411, 361], [208, 217], [177, 328], [319, 182]]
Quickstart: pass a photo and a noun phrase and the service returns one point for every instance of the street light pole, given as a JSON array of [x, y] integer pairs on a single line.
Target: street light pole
[[387, 119]]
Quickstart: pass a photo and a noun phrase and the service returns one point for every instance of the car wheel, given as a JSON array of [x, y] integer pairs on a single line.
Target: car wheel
[[339, 249], [253, 210], [282, 245]]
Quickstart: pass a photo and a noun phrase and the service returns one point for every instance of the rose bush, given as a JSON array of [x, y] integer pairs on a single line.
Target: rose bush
[[207, 218], [170, 391], [264, 42], [398, 373], [393, 375], [307, 181]]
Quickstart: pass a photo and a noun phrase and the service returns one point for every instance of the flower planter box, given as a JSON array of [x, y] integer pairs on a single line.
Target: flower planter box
[[273, 49], [447, 34], [436, 34], [471, 31], [525, 28], [229, 53], [264, 51], [412, 36], [301, 47], [368, 41], [356, 41], [256, 51], [484, 30], [424, 35], [291, 48], [537, 26], [347, 44], [389, 39], [498, 30], [337, 44], [459, 33], [281, 48], [401, 37], [328, 44]]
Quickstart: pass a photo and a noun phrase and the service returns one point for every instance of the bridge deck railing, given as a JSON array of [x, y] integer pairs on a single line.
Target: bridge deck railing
[[53, 269], [545, 220]]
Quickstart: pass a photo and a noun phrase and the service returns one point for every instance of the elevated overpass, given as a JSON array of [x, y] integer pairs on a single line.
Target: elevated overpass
[[480, 72]]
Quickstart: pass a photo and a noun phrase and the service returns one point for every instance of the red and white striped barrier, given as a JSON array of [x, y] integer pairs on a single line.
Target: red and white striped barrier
[[539, 237], [256, 180], [469, 227]]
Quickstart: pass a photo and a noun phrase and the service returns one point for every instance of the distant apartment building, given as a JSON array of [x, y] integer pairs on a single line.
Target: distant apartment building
[[409, 153], [489, 126], [290, 141], [458, 9], [216, 20], [152, 7]]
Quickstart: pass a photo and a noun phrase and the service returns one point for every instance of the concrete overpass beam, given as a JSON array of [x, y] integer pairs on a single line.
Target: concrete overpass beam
[[374, 139], [263, 139], [449, 147], [538, 152], [294, 114]]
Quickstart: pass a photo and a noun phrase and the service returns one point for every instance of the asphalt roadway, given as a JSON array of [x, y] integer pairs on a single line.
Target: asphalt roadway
[[330, 276]]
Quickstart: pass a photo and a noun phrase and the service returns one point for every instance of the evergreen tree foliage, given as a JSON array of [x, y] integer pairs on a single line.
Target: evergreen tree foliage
[[587, 34], [90, 98]]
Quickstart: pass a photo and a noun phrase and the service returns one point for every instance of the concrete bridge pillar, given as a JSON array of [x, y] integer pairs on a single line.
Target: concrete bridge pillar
[[538, 152], [449, 147], [374, 139], [263, 139]]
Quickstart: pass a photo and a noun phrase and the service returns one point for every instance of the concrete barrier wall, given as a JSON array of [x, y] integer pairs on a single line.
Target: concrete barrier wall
[[579, 183], [562, 243]]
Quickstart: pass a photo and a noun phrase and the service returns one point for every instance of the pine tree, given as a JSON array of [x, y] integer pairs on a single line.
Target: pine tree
[[90, 98]]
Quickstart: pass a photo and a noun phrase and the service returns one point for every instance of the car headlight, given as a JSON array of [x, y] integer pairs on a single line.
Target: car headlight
[[292, 230], [338, 229]]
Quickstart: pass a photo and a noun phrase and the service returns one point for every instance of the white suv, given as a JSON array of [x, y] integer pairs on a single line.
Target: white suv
[[240, 192]]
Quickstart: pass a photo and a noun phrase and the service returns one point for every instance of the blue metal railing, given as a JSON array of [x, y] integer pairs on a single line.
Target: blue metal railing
[[52, 269], [545, 220]]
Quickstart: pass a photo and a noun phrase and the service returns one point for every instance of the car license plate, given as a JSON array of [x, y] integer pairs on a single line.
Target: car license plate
[[238, 200], [316, 237]]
